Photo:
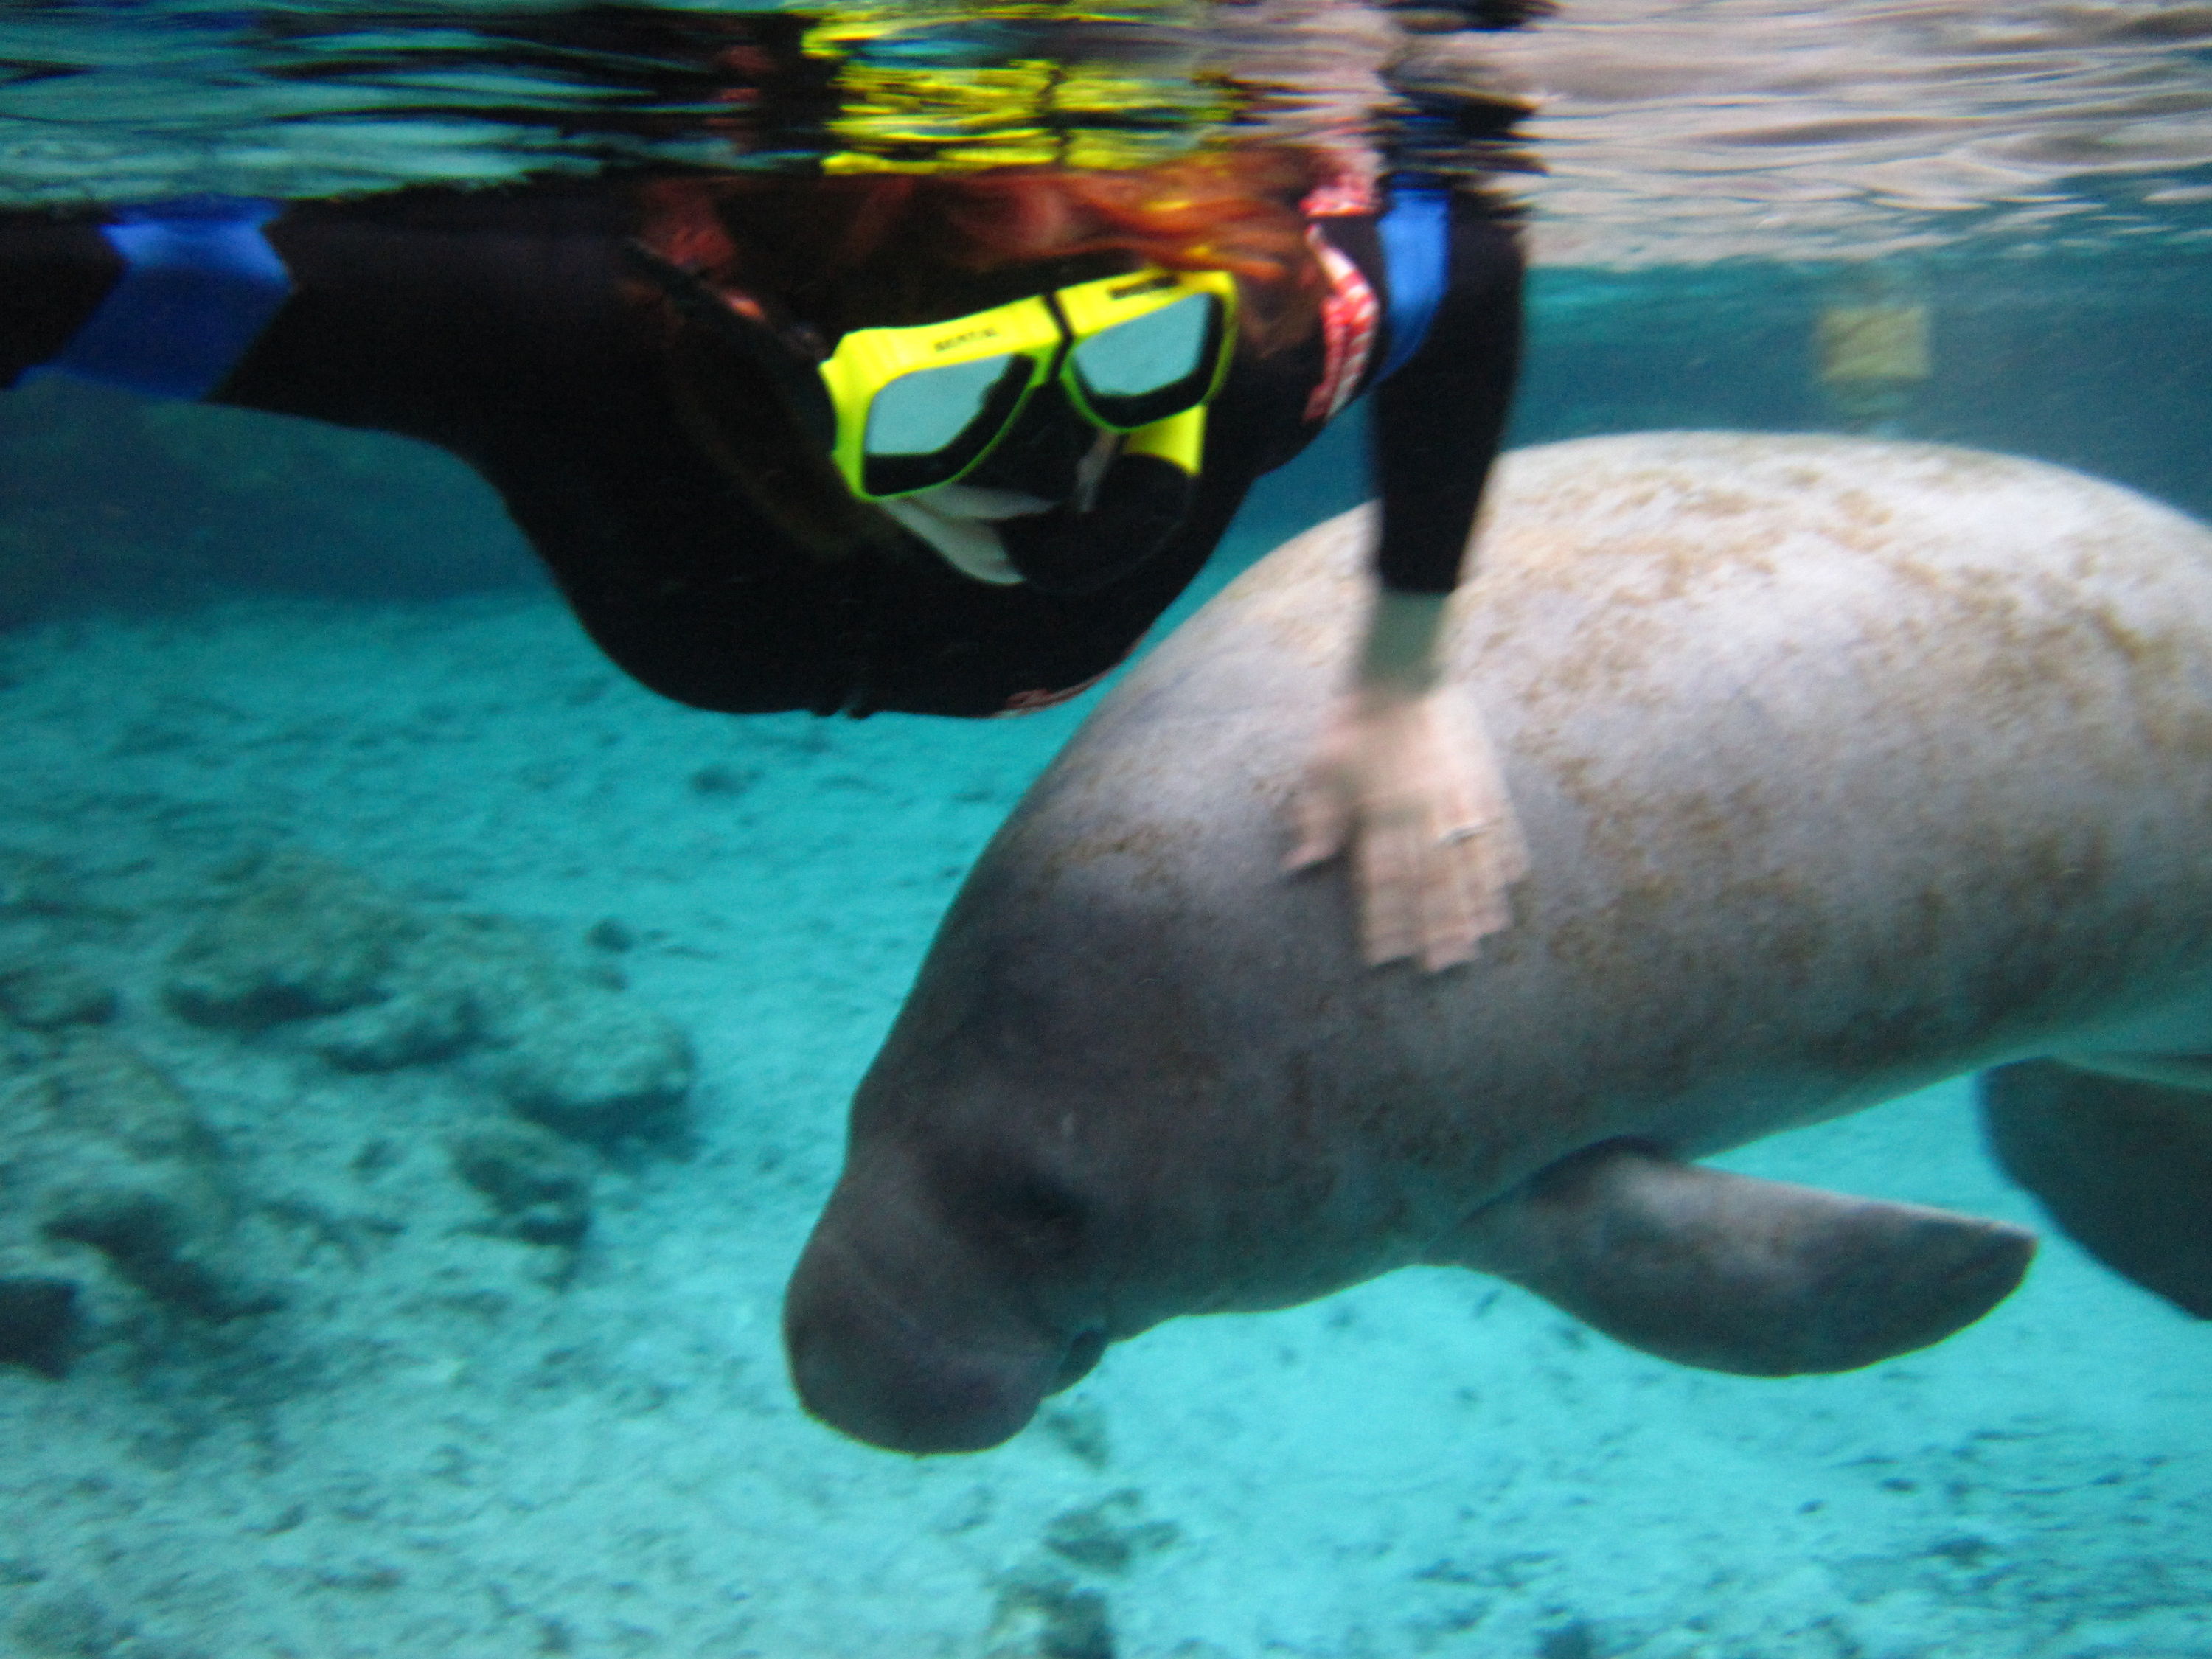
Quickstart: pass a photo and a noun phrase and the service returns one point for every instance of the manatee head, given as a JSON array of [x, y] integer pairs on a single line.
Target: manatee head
[[1022, 1190], [942, 1297], [1093, 1113]]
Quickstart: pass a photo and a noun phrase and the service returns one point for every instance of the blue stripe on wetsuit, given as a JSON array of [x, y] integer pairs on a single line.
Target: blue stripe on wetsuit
[[1416, 237], [200, 282]]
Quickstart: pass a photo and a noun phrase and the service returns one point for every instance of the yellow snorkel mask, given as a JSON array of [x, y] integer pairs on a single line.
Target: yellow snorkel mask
[[1139, 353], [901, 410]]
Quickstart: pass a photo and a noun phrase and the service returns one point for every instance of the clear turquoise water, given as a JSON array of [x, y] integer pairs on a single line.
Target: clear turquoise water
[[226, 633]]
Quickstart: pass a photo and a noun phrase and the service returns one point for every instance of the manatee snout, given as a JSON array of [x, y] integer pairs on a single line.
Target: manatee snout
[[915, 1346]]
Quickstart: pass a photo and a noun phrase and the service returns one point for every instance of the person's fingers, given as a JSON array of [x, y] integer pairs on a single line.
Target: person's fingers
[[1462, 796], [1387, 860], [1485, 866], [1321, 816], [1505, 850], [1420, 803], [1458, 896], [1491, 908], [1453, 902], [1478, 852], [1493, 859]]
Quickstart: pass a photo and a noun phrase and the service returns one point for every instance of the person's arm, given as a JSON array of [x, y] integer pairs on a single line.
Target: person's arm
[[500, 324], [1440, 420], [1404, 781], [463, 317], [433, 313]]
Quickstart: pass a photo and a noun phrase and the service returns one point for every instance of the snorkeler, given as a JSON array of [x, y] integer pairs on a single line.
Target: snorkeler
[[940, 443]]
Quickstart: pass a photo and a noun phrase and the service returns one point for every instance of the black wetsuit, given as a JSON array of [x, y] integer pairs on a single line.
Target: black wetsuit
[[503, 326]]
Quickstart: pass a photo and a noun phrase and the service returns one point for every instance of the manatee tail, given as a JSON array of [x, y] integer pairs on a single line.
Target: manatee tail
[[1736, 1274], [2122, 1163]]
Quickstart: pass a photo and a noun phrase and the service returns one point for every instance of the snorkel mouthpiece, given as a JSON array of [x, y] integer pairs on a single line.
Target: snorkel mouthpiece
[[1141, 501]]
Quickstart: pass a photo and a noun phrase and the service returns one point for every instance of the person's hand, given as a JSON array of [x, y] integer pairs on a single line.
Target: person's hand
[[1405, 781], [1408, 786]]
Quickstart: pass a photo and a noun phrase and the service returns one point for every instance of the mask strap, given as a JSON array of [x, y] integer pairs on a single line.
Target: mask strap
[[698, 303], [199, 284], [1415, 235]]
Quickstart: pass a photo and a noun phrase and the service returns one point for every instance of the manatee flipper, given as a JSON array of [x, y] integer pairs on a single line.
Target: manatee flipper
[[2120, 1156], [1736, 1274]]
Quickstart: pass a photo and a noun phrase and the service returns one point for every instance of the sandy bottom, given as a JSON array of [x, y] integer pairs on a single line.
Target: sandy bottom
[[445, 1442]]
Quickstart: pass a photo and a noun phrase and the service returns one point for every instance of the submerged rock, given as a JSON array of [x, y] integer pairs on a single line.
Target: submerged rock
[[596, 1066], [104, 1151], [411, 1029], [1046, 1617], [32, 884], [37, 1312], [126, 1220], [303, 937], [539, 1185], [158, 1234], [372, 986], [46, 995], [1108, 1536]]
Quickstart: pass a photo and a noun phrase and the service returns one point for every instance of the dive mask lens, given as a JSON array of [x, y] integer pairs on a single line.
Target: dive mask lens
[[1144, 371], [919, 406], [1148, 346], [927, 428]]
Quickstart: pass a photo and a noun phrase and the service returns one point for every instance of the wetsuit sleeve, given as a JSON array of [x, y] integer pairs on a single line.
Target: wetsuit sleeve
[[56, 272], [1440, 420], [424, 312], [462, 318]]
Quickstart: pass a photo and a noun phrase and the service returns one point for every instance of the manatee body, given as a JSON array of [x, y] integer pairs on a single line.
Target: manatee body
[[1846, 767]]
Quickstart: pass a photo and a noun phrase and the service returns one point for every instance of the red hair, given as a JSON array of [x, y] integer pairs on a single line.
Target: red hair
[[894, 242]]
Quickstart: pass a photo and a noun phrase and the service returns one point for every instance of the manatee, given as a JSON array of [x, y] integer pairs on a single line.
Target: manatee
[[1845, 766]]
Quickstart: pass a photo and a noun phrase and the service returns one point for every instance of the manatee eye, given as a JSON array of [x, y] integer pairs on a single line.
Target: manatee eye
[[1007, 1205], [1042, 1217]]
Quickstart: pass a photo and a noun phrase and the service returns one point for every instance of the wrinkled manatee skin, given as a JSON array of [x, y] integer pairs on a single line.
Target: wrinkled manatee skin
[[1845, 766]]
